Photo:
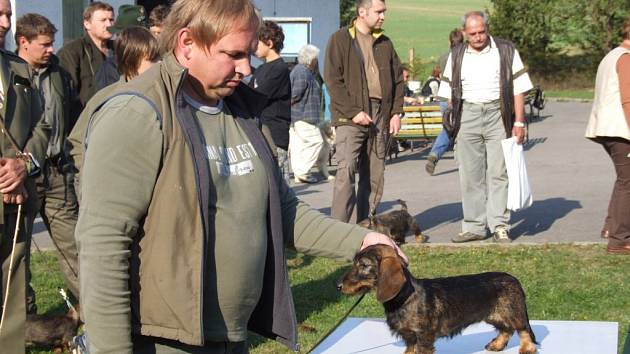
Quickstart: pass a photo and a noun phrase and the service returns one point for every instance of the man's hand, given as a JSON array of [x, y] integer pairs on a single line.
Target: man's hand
[[519, 133], [12, 173], [17, 196], [362, 118], [374, 238], [394, 124]]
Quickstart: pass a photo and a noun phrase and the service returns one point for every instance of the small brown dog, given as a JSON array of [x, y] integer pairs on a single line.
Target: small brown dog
[[422, 310], [54, 331], [396, 224]]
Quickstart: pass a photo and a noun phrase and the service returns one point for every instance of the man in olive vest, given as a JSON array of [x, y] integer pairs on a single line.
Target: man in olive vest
[[178, 181], [35, 36], [484, 80], [23, 143]]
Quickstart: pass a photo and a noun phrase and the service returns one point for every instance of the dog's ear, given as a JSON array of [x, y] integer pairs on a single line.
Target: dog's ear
[[391, 279]]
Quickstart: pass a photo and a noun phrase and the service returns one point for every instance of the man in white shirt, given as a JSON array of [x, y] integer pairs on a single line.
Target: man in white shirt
[[487, 103]]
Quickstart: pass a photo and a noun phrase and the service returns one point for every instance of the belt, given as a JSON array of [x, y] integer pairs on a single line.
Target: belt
[[490, 103]]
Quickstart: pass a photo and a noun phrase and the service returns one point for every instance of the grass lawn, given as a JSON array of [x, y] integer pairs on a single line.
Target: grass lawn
[[562, 282], [586, 94], [425, 24]]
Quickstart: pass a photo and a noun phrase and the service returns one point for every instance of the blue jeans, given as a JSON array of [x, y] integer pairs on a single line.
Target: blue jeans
[[442, 142]]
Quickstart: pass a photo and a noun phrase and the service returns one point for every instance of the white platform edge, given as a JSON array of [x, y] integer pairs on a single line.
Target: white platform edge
[[372, 335]]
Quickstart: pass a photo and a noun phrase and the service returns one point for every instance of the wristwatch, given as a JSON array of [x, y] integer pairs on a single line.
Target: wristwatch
[[519, 124]]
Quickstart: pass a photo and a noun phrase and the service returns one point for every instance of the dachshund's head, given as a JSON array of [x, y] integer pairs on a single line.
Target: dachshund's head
[[376, 267]]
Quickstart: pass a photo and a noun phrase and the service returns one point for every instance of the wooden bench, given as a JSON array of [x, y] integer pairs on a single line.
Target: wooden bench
[[421, 123]]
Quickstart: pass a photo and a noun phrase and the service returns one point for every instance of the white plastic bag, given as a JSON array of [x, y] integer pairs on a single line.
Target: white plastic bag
[[519, 193]]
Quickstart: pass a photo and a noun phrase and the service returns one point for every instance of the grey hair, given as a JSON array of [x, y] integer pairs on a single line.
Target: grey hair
[[307, 54], [470, 14]]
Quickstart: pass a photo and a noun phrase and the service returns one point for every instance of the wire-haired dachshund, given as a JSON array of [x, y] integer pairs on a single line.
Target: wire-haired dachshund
[[422, 310], [396, 224], [54, 331]]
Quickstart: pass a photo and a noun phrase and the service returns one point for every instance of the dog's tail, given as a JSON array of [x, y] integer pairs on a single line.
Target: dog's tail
[[527, 326], [403, 204]]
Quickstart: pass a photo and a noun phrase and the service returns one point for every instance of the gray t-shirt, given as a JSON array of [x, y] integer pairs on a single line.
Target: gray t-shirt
[[238, 225]]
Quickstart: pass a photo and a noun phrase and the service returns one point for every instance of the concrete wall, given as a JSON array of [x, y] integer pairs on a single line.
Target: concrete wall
[[325, 15]]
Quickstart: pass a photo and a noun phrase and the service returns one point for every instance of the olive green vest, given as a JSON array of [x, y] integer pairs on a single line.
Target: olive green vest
[[173, 241]]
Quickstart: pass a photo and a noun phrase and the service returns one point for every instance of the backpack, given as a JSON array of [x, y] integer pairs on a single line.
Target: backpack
[[426, 89]]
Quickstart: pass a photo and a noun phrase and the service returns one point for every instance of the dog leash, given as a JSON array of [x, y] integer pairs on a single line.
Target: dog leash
[[6, 295], [388, 145], [343, 318]]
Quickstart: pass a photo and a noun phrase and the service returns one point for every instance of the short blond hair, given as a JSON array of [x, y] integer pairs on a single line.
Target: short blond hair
[[208, 20]]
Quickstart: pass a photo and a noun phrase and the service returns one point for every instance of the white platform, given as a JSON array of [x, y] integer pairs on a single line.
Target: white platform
[[371, 336]]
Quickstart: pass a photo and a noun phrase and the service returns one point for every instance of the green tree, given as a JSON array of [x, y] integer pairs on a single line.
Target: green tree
[[347, 11], [559, 35]]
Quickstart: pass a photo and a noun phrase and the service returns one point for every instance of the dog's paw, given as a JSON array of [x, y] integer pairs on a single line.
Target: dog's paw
[[421, 238]]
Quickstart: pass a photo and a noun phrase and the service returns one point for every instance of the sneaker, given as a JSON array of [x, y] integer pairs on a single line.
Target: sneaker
[[500, 235], [79, 344], [467, 237], [305, 179], [431, 163]]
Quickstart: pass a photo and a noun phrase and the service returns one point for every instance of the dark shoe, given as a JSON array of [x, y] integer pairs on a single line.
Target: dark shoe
[[625, 249], [305, 179], [467, 237], [500, 235], [431, 163]]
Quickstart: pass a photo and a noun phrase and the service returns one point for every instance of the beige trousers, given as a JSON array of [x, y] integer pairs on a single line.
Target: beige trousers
[[306, 147]]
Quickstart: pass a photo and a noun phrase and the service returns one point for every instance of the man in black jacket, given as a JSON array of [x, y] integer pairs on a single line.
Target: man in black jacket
[[83, 56]]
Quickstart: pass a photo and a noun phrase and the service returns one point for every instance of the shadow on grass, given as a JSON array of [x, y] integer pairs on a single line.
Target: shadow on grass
[[310, 297]]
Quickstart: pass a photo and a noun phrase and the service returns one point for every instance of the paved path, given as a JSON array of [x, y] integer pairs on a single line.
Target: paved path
[[571, 179]]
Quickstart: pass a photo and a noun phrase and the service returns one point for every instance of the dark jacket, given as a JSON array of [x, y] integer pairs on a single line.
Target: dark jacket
[[82, 59], [63, 93], [272, 80], [22, 114], [166, 283], [506, 53], [346, 79], [107, 74]]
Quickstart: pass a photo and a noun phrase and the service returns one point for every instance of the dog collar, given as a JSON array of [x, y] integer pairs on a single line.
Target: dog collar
[[405, 292]]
